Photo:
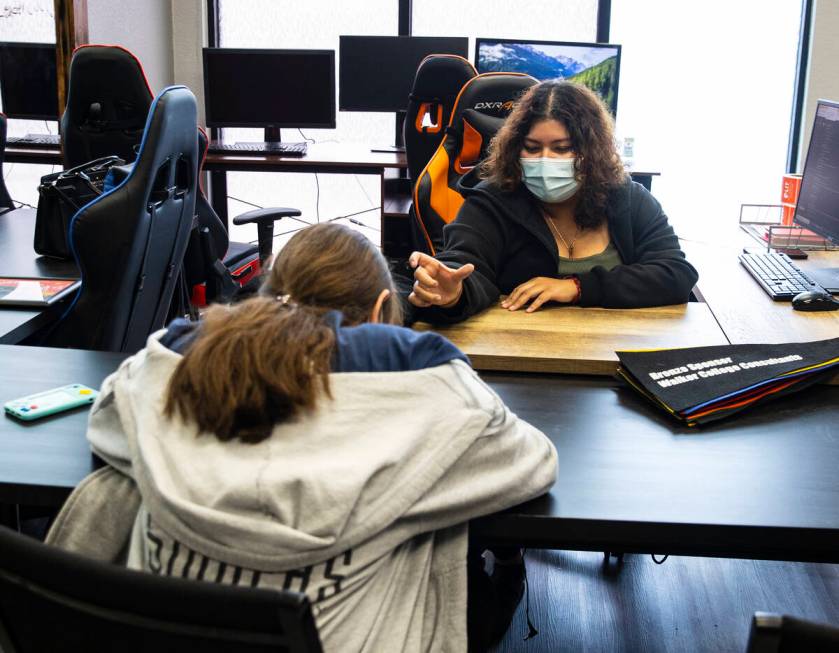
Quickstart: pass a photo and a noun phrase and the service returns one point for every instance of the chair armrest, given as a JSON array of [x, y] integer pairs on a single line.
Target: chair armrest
[[264, 220], [266, 216]]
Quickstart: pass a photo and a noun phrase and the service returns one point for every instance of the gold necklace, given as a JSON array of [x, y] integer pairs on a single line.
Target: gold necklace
[[569, 247]]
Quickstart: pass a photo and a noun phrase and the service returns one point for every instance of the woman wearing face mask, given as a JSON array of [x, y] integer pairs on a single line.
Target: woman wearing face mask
[[551, 216]]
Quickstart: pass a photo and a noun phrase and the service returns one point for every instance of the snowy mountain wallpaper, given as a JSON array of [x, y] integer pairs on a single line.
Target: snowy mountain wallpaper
[[596, 67]]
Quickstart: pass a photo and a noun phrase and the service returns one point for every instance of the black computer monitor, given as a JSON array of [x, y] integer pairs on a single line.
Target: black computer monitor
[[269, 88], [818, 199], [377, 72], [597, 65], [28, 81]]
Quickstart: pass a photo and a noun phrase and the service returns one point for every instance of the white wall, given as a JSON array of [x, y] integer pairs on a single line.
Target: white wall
[[189, 35], [142, 26], [822, 76]]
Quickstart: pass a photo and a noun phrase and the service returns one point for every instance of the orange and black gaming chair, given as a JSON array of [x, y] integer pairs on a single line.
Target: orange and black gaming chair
[[437, 82], [481, 107]]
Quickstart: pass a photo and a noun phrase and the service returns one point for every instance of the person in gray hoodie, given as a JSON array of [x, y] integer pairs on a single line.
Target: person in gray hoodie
[[300, 440]]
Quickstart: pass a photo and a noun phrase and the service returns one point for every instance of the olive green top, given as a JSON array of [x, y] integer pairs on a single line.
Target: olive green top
[[608, 258]]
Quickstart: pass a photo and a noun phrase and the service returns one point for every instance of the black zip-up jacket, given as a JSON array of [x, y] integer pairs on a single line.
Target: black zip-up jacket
[[505, 235]]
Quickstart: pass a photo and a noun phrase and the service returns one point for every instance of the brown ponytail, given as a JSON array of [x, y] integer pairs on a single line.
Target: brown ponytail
[[263, 361]]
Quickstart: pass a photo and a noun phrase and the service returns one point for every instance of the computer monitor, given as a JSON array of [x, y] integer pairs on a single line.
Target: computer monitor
[[818, 199], [597, 65], [269, 88], [377, 72], [28, 81]]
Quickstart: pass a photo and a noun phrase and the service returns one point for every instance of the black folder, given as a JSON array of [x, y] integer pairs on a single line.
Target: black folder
[[702, 384]]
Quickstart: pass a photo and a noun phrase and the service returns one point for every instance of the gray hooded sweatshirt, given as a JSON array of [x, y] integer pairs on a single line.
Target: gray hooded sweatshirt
[[362, 504]]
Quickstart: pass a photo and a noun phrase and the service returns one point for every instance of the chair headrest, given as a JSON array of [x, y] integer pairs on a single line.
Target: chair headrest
[[491, 94], [170, 126], [107, 88], [441, 76]]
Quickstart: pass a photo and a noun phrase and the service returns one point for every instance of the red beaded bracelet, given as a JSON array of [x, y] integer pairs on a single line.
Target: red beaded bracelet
[[579, 289]]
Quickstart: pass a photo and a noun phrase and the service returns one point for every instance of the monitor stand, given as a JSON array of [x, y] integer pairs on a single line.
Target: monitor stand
[[398, 137], [827, 278], [272, 135], [393, 149]]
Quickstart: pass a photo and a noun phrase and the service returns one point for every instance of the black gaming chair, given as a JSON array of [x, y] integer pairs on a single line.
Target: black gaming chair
[[481, 107], [6, 203], [775, 633], [216, 267], [129, 242], [53, 600], [108, 96], [437, 82], [108, 100]]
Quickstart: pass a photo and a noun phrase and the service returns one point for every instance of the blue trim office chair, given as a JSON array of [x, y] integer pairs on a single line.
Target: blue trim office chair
[[129, 242]]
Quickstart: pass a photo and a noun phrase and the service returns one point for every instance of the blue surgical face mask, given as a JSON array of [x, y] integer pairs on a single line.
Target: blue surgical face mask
[[549, 179]]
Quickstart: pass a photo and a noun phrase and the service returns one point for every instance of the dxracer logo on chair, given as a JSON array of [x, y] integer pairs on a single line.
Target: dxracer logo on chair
[[494, 106]]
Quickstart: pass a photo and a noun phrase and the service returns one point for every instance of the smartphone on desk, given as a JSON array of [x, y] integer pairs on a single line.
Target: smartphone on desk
[[49, 402]]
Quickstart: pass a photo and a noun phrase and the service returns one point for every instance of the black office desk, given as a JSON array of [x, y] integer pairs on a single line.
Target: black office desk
[[41, 462], [764, 485], [18, 259]]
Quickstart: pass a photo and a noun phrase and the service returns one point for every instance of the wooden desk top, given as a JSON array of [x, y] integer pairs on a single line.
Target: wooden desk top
[[745, 312], [574, 340]]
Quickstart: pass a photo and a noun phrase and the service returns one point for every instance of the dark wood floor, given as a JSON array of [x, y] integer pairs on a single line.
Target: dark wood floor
[[684, 605]]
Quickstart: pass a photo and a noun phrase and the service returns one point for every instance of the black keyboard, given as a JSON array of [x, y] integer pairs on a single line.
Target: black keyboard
[[289, 149], [35, 140], [778, 275]]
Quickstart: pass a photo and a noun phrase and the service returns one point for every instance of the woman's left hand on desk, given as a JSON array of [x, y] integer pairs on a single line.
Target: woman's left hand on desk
[[541, 290]]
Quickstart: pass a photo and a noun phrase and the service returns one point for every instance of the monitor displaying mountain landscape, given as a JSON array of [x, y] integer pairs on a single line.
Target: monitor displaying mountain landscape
[[597, 65]]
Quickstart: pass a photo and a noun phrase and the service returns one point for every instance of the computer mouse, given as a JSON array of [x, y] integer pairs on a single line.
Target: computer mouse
[[814, 301]]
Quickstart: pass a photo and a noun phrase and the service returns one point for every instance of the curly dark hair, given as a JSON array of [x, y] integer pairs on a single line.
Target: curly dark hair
[[591, 128]]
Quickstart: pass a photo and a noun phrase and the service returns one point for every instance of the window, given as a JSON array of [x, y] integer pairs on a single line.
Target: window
[[539, 20], [29, 21], [708, 99], [315, 24]]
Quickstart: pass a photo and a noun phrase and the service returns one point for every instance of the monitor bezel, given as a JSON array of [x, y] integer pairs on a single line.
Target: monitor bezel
[[821, 232], [211, 122], [21, 116], [614, 109], [393, 38]]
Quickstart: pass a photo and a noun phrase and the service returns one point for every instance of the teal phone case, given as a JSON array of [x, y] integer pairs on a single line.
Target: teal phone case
[[50, 402]]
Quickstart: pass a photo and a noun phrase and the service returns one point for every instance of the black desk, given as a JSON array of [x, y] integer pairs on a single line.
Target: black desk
[[41, 462], [18, 259], [762, 486]]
